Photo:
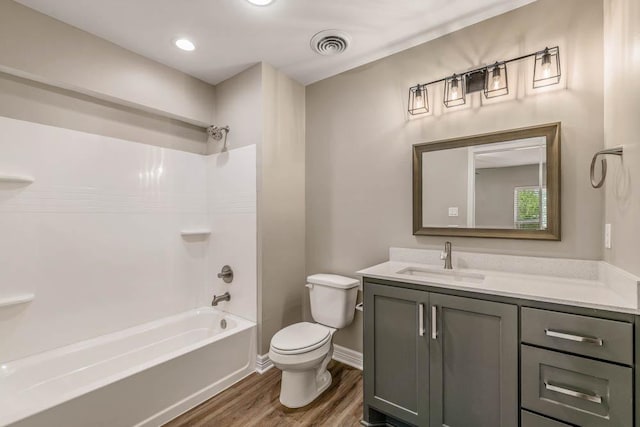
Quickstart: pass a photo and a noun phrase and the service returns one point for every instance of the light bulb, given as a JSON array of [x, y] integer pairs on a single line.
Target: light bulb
[[496, 78], [418, 100], [546, 64], [455, 94]]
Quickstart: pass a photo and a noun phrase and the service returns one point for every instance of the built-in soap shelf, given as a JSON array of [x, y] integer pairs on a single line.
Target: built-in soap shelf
[[196, 233], [16, 300], [16, 179]]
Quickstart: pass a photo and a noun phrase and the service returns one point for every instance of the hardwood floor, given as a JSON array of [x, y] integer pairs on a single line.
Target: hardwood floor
[[254, 402]]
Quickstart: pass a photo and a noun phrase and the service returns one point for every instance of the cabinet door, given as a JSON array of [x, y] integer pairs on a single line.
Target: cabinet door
[[474, 363], [396, 359]]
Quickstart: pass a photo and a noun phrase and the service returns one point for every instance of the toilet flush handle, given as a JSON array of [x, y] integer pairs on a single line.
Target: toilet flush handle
[[309, 285]]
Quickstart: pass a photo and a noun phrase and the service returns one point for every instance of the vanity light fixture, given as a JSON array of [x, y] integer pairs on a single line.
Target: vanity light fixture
[[418, 100], [491, 79], [454, 90], [547, 68], [496, 80]]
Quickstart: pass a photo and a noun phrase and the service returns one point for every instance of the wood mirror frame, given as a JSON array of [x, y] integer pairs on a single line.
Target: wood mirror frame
[[550, 131]]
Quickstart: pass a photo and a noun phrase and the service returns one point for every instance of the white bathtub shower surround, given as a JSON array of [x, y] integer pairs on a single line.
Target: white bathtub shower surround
[[232, 208], [586, 283], [151, 373], [97, 237]]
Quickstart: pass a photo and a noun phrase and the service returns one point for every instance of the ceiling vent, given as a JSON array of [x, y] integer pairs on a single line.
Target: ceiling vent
[[330, 42]]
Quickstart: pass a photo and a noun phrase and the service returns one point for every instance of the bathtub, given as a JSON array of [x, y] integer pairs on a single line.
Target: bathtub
[[142, 376]]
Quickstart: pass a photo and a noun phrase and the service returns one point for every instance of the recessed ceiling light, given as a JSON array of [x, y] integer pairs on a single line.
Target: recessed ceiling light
[[185, 44], [261, 2]]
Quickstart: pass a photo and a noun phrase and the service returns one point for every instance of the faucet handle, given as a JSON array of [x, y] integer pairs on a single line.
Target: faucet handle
[[443, 255]]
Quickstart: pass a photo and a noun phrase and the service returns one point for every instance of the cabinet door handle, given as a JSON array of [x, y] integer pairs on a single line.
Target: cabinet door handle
[[434, 322], [595, 398], [421, 319], [571, 337]]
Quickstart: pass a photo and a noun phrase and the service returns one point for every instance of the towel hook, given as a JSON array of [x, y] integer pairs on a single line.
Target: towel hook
[[613, 151]]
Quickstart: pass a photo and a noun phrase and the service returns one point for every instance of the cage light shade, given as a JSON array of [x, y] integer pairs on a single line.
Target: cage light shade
[[546, 70], [418, 100], [496, 80], [454, 91]]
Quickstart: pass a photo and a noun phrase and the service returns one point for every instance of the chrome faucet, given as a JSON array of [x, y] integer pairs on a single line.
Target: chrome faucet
[[446, 256], [224, 297]]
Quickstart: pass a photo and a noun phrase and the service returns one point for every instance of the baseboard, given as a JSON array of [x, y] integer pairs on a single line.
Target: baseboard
[[347, 356], [263, 363]]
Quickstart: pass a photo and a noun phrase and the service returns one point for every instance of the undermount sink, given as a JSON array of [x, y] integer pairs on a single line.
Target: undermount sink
[[458, 276]]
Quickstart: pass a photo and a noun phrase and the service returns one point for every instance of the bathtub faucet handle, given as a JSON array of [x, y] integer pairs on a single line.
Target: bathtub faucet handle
[[226, 274]]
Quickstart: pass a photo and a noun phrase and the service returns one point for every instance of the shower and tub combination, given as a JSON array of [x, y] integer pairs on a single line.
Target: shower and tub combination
[[109, 268], [142, 376]]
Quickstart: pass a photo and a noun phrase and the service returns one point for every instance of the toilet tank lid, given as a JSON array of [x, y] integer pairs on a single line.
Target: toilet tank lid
[[333, 280]]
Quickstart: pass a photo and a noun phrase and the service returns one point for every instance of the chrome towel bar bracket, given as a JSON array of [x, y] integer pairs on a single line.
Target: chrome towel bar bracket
[[613, 151]]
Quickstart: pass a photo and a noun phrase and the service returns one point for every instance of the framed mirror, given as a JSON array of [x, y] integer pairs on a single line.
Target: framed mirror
[[502, 185]]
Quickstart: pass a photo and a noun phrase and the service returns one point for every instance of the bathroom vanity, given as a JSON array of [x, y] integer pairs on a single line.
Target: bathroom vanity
[[487, 348]]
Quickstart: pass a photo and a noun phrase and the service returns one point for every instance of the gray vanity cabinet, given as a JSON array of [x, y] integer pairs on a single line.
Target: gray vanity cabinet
[[396, 358], [474, 362], [439, 360]]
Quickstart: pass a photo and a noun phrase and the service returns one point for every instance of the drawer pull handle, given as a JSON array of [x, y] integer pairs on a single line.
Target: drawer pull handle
[[573, 393], [421, 320], [577, 338]]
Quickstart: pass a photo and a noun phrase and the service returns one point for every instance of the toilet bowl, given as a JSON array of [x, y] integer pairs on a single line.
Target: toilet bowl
[[303, 350]]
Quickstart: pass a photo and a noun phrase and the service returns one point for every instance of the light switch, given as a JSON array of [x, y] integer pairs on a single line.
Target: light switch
[[607, 236], [453, 211]]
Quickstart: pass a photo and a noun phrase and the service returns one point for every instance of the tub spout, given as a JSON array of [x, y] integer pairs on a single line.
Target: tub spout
[[224, 297]]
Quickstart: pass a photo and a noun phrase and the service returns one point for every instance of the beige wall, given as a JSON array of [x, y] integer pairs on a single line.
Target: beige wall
[[622, 127], [34, 102], [281, 205], [359, 138], [239, 105], [39, 47]]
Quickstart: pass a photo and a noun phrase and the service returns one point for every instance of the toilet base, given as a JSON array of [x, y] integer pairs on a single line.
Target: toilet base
[[300, 388]]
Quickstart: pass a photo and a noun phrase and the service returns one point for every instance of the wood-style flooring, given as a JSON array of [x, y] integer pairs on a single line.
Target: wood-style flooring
[[254, 402]]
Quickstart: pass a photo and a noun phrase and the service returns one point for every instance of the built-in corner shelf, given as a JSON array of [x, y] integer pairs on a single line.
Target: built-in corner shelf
[[16, 179], [196, 233], [16, 300]]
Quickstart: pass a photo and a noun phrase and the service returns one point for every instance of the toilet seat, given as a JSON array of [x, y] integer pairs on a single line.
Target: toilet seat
[[300, 338]]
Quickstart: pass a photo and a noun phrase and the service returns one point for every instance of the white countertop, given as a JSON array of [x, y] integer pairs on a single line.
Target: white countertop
[[611, 289]]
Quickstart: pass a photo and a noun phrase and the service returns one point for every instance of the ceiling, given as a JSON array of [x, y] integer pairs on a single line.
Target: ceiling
[[232, 35]]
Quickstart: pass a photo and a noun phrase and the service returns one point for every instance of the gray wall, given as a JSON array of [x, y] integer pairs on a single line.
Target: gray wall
[[494, 193], [445, 182], [359, 147], [281, 205], [622, 127]]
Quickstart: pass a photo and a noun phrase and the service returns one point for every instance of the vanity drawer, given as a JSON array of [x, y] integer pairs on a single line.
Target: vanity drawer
[[577, 390], [588, 336], [530, 419]]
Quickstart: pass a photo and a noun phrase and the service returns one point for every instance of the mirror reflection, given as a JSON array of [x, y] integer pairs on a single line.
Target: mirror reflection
[[504, 184], [500, 185]]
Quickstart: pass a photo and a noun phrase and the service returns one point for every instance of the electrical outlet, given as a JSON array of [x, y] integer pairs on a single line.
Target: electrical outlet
[[607, 236], [453, 211]]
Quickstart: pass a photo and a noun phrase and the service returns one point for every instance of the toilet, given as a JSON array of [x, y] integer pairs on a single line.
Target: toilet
[[303, 350]]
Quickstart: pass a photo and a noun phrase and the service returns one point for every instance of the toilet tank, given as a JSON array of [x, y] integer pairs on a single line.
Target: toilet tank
[[333, 299]]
